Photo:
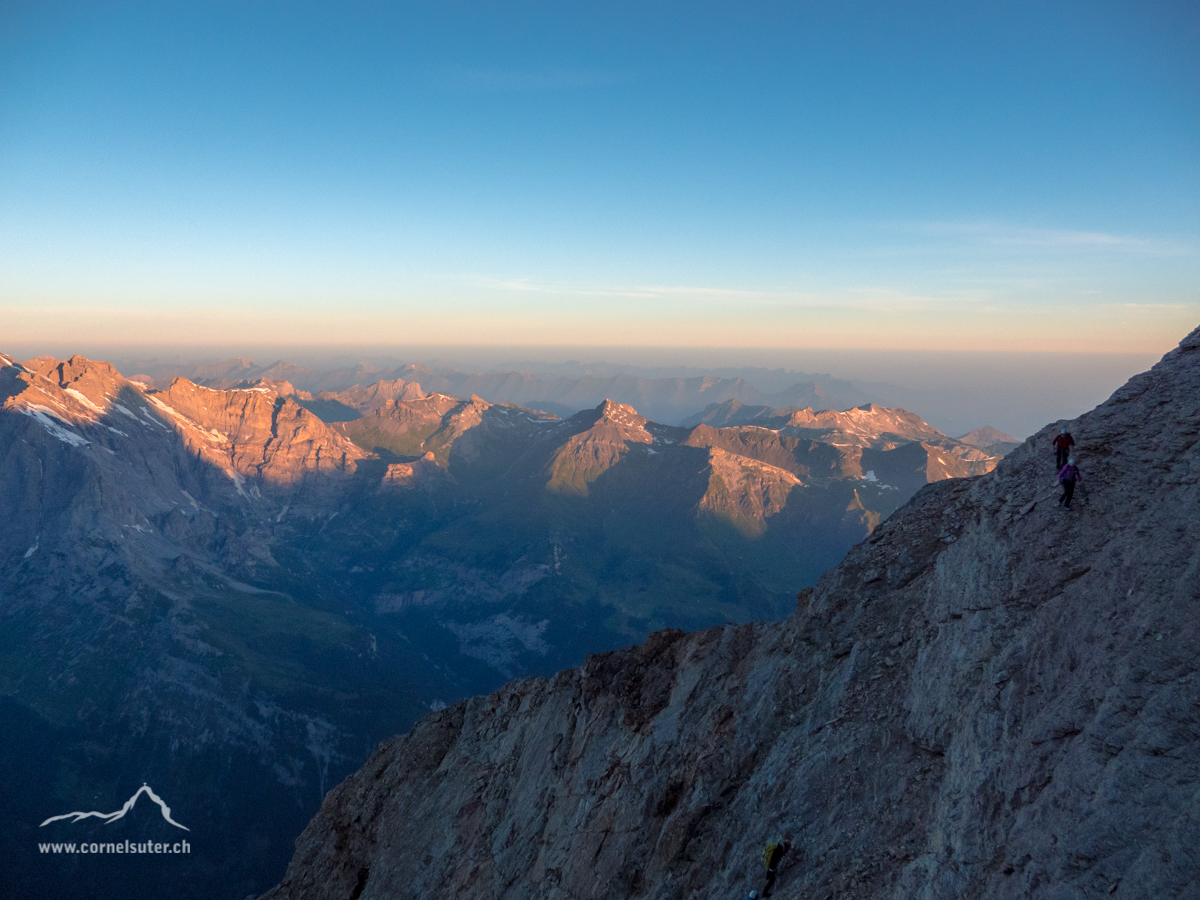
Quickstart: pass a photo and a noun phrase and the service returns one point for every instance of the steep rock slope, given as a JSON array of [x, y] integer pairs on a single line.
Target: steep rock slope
[[746, 491], [401, 426], [94, 460], [812, 461], [991, 697], [255, 432], [587, 455]]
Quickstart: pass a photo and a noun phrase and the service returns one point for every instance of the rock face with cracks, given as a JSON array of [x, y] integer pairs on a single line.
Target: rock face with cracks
[[990, 697]]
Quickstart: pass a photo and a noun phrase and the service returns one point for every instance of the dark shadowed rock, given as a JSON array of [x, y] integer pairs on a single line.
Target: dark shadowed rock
[[608, 432]]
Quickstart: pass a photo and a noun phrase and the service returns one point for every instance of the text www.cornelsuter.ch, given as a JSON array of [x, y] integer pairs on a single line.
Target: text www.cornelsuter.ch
[[121, 847]]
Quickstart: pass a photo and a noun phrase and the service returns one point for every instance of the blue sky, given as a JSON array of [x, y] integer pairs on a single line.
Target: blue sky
[[1019, 176]]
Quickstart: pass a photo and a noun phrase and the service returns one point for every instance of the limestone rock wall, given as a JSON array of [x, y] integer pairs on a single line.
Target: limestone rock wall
[[255, 432]]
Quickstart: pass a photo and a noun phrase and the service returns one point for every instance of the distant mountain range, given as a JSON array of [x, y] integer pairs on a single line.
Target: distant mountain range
[[663, 398], [238, 588], [991, 441]]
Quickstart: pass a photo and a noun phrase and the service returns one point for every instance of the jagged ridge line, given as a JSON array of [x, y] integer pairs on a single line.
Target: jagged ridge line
[[111, 817]]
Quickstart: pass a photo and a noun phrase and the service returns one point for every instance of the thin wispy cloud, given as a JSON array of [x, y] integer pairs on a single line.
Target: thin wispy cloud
[[530, 286], [865, 299], [1002, 235], [484, 80]]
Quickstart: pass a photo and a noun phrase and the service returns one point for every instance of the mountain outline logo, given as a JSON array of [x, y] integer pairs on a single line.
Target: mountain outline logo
[[111, 817]]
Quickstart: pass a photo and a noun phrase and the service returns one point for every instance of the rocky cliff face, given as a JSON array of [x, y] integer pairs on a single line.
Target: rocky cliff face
[[746, 491], [990, 697], [255, 432]]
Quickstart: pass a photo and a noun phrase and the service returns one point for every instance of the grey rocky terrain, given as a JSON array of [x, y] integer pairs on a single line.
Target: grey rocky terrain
[[990, 697]]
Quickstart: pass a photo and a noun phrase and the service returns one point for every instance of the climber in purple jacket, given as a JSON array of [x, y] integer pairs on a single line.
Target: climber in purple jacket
[[1068, 477]]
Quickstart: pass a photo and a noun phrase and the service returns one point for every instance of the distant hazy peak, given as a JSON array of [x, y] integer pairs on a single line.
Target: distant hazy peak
[[70, 370], [282, 387], [986, 436], [611, 409], [627, 422], [864, 424]]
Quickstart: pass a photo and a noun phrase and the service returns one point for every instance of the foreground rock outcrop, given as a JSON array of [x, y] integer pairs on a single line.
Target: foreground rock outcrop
[[990, 697]]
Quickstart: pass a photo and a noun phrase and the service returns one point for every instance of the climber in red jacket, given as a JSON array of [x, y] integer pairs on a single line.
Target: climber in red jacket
[[1063, 442]]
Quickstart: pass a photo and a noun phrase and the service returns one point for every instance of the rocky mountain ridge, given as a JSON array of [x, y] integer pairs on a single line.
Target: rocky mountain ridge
[[663, 398], [256, 454], [990, 697], [251, 432]]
